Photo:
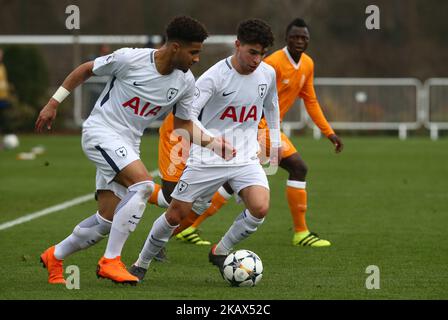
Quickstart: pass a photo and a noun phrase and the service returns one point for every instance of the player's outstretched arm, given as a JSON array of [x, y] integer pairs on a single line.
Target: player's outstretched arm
[[74, 79], [198, 136]]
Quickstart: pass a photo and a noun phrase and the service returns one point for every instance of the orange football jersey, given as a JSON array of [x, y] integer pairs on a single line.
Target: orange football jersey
[[295, 80]]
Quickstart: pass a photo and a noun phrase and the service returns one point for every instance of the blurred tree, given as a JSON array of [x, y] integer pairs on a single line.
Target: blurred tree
[[27, 72]]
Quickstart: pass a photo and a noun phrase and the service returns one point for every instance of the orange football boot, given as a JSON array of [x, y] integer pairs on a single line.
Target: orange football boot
[[53, 265], [115, 270]]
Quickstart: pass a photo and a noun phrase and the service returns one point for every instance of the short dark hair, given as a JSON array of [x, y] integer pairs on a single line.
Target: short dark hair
[[255, 31], [298, 22], [187, 29]]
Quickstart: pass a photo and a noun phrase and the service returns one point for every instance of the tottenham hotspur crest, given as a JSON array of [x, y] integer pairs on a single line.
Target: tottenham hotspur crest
[[121, 152], [182, 186], [262, 88], [197, 93], [171, 94]]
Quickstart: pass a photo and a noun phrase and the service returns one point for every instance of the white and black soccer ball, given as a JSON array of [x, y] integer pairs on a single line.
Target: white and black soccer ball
[[243, 268], [10, 141]]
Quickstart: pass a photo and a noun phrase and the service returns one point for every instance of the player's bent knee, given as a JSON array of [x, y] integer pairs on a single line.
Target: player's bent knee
[[173, 217], [177, 211], [143, 188], [260, 210], [298, 171], [296, 168], [131, 208]]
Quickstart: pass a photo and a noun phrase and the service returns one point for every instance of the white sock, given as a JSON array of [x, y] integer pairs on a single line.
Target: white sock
[[116, 242], [223, 192], [87, 233], [244, 225], [296, 184], [161, 201], [159, 235], [127, 215]]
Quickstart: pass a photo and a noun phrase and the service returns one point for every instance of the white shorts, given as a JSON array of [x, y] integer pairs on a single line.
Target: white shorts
[[200, 183], [111, 154]]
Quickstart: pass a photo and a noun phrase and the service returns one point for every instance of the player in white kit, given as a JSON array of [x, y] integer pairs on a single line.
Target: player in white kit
[[144, 85], [230, 100]]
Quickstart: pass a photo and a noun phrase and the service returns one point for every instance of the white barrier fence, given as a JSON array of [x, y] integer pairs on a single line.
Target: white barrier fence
[[398, 104], [370, 104], [435, 106]]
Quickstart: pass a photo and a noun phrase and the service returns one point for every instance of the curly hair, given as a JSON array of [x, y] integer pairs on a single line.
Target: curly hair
[[184, 28], [255, 31]]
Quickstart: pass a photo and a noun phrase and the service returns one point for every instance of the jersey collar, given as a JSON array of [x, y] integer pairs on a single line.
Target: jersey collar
[[291, 60]]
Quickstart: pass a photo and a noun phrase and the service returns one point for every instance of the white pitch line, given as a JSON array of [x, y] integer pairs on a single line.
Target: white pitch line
[[53, 209], [46, 211]]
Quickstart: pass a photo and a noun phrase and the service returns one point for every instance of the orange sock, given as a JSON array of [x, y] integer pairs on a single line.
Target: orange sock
[[217, 202], [297, 204], [154, 194], [186, 222]]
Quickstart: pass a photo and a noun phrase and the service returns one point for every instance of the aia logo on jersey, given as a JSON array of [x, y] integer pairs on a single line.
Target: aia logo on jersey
[[243, 115], [171, 94], [262, 88], [142, 108], [121, 152]]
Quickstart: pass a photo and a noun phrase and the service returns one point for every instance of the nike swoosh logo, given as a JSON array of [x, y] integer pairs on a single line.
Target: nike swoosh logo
[[226, 94], [137, 84], [135, 217]]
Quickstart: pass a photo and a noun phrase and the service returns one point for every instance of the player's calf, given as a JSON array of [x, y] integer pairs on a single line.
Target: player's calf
[[177, 211], [243, 226], [127, 216], [87, 233], [159, 235]]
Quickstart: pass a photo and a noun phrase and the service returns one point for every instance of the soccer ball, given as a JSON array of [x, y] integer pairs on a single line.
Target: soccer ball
[[10, 141], [243, 268]]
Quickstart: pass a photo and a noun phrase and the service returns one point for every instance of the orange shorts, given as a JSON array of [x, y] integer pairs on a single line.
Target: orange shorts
[[173, 151], [265, 142]]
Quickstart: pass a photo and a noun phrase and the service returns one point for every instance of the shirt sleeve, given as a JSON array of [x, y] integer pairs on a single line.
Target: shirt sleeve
[[312, 105], [205, 88], [114, 64], [272, 113], [183, 107]]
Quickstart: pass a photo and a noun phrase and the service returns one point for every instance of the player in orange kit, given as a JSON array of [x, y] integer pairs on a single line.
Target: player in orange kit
[[295, 74]]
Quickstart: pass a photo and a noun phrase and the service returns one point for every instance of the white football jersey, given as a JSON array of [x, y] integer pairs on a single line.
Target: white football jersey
[[231, 105], [137, 94]]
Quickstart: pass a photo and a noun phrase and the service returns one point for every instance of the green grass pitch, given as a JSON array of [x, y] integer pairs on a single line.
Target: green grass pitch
[[381, 202]]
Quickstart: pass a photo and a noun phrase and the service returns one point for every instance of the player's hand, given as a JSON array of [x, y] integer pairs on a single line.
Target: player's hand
[[337, 142], [46, 116], [223, 148]]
